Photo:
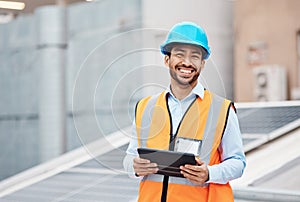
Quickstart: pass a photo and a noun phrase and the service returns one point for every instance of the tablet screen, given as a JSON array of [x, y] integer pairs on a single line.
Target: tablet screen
[[168, 161]]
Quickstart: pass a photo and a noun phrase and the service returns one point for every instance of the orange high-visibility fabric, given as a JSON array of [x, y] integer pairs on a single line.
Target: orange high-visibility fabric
[[138, 119], [159, 125], [159, 138], [195, 119], [151, 191]]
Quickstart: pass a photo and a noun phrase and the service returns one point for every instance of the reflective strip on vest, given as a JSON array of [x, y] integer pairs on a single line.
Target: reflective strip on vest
[[174, 180], [146, 119], [210, 129]]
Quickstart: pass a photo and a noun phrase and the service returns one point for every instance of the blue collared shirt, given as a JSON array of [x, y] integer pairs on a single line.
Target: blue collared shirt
[[233, 159]]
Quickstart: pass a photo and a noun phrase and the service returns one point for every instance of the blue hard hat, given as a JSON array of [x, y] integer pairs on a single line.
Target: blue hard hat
[[187, 33]]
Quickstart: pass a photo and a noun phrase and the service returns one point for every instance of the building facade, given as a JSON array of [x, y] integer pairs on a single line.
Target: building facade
[[267, 33]]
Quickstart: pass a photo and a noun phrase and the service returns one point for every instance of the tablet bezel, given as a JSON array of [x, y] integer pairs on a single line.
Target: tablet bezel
[[168, 162]]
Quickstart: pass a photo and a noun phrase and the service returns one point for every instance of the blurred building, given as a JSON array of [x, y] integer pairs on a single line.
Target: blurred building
[[59, 67], [72, 74], [266, 50]]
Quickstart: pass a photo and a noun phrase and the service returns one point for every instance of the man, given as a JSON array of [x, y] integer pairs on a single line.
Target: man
[[187, 118]]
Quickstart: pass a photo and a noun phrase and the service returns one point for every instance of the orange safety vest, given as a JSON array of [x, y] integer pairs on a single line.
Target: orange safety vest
[[204, 120]]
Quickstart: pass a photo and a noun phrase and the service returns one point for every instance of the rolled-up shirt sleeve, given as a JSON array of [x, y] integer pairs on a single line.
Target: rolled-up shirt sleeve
[[131, 153], [233, 161], [133, 144]]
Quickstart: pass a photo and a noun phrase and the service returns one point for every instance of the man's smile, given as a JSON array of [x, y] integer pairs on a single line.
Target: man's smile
[[185, 71]]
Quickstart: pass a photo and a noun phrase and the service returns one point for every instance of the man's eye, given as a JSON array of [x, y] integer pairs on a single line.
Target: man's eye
[[179, 55], [196, 57]]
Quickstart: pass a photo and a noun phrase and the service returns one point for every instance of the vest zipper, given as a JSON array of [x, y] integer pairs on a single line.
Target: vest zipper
[[164, 192], [165, 184]]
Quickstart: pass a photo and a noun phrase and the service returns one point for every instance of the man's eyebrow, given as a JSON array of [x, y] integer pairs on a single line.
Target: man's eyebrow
[[182, 50], [197, 52], [179, 50]]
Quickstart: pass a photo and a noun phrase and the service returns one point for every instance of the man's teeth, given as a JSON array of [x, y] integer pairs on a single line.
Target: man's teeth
[[185, 71]]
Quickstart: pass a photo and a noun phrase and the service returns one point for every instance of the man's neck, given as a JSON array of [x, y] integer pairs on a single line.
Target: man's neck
[[181, 92]]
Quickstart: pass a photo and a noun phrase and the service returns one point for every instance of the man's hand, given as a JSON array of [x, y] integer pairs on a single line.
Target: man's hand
[[198, 174], [144, 167]]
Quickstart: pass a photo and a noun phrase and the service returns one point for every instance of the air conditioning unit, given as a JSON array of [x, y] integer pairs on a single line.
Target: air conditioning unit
[[270, 83]]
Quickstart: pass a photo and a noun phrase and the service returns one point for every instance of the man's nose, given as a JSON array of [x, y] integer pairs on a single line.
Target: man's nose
[[186, 61]]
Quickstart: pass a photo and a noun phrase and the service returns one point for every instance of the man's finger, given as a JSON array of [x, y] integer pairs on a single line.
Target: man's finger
[[140, 160], [199, 162], [194, 178], [145, 171], [194, 170]]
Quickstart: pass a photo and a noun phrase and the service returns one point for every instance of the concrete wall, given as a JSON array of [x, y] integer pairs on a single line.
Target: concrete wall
[[274, 23], [59, 95], [18, 96], [100, 56]]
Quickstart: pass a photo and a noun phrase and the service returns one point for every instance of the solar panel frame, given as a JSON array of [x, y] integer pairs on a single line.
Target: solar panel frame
[[265, 121]]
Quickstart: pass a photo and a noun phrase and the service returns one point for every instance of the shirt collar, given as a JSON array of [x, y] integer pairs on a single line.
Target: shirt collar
[[197, 90]]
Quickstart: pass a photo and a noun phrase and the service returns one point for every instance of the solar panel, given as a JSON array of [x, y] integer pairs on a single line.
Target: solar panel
[[113, 160], [96, 179], [266, 121]]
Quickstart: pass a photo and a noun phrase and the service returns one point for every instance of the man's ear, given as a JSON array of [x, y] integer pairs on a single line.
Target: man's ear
[[202, 64], [167, 60]]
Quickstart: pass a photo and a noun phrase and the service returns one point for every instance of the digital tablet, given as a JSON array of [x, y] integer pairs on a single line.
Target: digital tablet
[[168, 161]]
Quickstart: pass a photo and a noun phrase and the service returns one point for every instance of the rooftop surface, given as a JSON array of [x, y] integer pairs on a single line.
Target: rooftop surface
[[95, 172]]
